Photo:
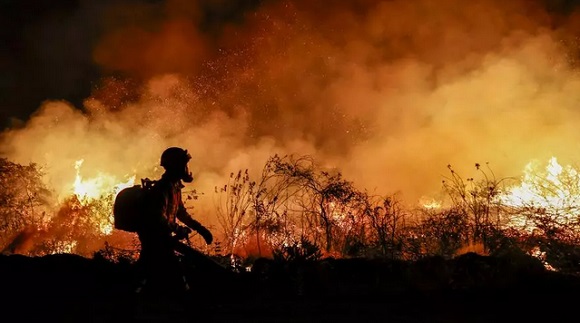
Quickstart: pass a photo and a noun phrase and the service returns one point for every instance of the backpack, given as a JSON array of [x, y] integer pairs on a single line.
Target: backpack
[[130, 204]]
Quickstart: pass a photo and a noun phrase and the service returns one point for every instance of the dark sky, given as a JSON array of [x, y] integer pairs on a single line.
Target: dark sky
[[47, 46], [42, 58]]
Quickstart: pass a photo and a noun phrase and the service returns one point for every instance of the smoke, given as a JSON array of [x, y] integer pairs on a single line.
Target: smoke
[[388, 92]]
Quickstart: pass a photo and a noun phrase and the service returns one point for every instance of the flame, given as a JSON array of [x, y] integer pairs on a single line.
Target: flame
[[337, 212], [542, 188], [541, 255], [545, 194], [64, 247], [98, 188], [554, 190], [430, 203], [80, 221]]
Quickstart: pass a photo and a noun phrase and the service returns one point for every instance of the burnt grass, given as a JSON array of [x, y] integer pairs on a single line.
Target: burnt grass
[[468, 288]]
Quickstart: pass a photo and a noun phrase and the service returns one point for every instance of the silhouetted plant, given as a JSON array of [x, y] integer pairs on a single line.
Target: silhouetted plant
[[293, 199], [257, 208], [272, 204], [299, 251], [478, 201], [23, 200], [232, 213], [117, 255], [386, 222], [324, 197], [299, 211], [445, 231]]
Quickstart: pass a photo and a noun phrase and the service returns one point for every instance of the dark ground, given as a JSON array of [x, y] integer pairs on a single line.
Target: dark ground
[[471, 288]]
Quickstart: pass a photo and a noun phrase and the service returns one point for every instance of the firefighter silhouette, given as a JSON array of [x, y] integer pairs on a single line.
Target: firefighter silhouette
[[159, 232]]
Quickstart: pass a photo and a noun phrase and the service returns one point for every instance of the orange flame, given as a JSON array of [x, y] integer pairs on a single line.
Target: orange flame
[[555, 189], [96, 188]]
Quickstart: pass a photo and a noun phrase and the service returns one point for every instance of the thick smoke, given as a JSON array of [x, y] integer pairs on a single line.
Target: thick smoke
[[388, 92]]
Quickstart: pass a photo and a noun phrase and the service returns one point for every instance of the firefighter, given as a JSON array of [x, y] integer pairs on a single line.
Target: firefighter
[[158, 234]]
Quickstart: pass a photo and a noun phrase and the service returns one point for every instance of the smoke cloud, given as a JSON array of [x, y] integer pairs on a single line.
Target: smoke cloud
[[388, 92]]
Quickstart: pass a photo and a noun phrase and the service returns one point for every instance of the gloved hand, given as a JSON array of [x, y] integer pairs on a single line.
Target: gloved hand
[[207, 236], [182, 232]]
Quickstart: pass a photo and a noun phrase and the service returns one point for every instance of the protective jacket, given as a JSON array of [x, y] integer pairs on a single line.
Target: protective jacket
[[159, 262], [166, 205]]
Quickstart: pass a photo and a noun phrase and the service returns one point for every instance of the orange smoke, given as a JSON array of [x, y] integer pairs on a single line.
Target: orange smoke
[[389, 92]]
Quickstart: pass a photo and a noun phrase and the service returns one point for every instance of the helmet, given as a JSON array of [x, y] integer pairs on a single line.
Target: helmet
[[174, 160], [174, 157]]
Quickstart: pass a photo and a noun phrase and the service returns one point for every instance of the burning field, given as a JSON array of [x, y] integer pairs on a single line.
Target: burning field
[[388, 129], [396, 156]]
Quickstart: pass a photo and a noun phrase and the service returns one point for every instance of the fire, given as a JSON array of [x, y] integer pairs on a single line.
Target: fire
[[64, 247], [81, 220], [554, 190], [543, 188], [94, 188], [541, 255], [544, 203], [98, 188], [430, 203]]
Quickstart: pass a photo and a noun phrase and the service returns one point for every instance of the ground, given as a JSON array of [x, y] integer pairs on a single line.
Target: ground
[[471, 289]]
